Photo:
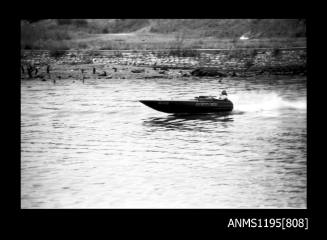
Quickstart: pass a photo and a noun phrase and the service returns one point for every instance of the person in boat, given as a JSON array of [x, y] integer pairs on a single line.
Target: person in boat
[[223, 95]]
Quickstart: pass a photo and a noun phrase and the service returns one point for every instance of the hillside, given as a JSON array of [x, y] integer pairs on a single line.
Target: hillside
[[158, 33], [230, 28]]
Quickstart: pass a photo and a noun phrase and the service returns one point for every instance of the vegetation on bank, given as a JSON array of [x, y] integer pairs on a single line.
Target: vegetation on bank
[[117, 34]]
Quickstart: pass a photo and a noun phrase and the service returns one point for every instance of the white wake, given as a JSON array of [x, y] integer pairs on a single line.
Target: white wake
[[261, 101]]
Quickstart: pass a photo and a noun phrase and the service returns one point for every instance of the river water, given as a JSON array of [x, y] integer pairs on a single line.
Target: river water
[[93, 145]]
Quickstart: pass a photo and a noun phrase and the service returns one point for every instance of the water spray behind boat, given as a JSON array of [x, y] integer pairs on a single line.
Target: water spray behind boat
[[264, 101]]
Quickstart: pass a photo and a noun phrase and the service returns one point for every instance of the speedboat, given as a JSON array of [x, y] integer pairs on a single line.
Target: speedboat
[[201, 104]]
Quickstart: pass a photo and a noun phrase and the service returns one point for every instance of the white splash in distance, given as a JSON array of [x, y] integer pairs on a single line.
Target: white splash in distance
[[262, 101]]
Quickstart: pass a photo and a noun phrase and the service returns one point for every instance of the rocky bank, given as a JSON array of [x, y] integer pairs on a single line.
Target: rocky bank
[[167, 63]]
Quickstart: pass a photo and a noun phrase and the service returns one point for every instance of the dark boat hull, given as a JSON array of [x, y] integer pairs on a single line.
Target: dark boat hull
[[192, 106]]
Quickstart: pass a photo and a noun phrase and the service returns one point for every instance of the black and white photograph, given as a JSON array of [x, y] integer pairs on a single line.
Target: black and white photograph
[[163, 113]]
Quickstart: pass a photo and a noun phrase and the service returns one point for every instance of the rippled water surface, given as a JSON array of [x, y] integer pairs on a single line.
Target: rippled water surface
[[93, 145]]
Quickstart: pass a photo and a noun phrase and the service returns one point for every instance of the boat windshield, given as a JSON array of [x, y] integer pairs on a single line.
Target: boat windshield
[[199, 98]]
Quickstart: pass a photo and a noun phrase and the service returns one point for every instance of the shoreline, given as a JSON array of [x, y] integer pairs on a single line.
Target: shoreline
[[165, 63], [64, 72]]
